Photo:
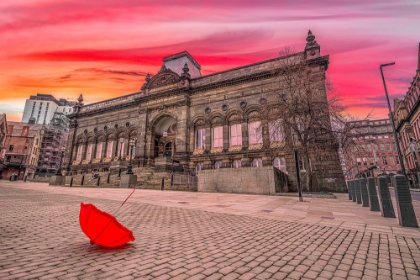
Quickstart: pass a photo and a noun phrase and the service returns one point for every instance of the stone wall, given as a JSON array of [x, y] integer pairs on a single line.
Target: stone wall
[[248, 180]]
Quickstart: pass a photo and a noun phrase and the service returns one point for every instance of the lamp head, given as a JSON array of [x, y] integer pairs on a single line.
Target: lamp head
[[387, 64]]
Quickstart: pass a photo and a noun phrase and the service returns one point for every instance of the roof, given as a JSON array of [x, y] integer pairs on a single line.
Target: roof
[[18, 127]]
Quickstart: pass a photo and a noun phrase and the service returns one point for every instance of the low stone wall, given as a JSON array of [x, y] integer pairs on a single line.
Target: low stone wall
[[265, 180]]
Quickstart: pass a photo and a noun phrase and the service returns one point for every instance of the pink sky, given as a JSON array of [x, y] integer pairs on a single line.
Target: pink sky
[[104, 48]]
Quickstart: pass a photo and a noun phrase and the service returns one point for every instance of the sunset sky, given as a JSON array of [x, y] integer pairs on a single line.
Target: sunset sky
[[104, 48]]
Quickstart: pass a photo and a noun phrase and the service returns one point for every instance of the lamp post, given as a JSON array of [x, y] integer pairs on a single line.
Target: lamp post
[[413, 149], [63, 149], [295, 150], [391, 117], [130, 166], [121, 143]]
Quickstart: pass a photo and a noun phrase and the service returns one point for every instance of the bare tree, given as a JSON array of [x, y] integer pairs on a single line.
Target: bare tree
[[304, 108]]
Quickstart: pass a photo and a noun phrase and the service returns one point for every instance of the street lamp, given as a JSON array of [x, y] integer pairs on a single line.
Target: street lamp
[[121, 143], [391, 117], [63, 149], [295, 150], [130, 166]]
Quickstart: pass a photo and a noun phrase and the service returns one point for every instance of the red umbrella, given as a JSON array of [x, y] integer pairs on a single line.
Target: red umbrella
[[102, 228]]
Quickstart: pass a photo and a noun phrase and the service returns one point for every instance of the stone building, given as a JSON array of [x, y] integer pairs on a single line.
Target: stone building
[[3, 132], [22, 147], [407, 122], [187, 122], [372, 150]]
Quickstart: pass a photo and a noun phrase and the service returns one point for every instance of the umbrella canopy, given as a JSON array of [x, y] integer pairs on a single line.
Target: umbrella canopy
[[102, 228]]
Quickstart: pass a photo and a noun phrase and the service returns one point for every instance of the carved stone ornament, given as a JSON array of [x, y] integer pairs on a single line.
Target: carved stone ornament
[[207, 110], [256, 146], [198, 151], [96, 160], [107, 159], [164, 77], [200, 122], [225, 107], [234, 117], [243, 104], [277, 144], [216, 120], [235, 148], [85, 131], [76, 162], [86, 161], [216, 150]]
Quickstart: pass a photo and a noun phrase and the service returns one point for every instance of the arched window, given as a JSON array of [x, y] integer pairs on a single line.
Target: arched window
[[257, 162], [280, 163], [199, 166], [217, 165], [237, 163]]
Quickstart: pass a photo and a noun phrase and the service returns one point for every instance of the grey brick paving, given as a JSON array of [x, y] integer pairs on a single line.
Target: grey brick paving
[[40, 238]]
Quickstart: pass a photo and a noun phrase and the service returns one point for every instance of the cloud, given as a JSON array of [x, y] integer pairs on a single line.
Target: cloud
[[117, 72]]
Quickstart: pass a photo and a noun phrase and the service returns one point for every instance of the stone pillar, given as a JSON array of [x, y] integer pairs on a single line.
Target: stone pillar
[[358, 192], [182, 130], [245, 139], [226, 135], [265, 134], [148, 147], [192, 139], [208, 138], [349, 185]]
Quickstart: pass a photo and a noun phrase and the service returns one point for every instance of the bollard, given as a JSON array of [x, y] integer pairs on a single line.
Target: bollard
[[349, 185], [387, 209], [162, 186], [107, 180], [373, 196], [406, 215], [353, 189], [358, 193], [364, 193], [98, 181], [83, 180], [71, 181]]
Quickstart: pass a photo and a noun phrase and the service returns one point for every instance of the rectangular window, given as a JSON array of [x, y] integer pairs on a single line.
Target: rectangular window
[[218, 136], [358, 161], [384, 161], [276, 131], [79, 153], [236, 135], [254, 133], [11, 148], [109, 149], [364, 161], [397, 160], [200, 140], [382, 147], [388, 147], [98, 150], [121, 149], [89, 152]]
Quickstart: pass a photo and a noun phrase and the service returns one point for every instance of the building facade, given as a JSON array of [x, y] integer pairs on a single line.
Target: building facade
[[3, 133], [370, 149], [22, 146], [40, 108], [181, 118], [407, 119]]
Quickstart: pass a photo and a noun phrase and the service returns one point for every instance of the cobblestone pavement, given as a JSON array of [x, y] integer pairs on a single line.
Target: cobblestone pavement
[[182, 235]]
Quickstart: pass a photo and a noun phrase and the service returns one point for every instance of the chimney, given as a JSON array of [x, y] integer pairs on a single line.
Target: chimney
[[418, 62]]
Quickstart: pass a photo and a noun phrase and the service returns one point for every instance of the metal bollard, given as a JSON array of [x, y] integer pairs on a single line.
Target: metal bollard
[[373, 196], [162, 186], [406, 215], [71, 181], [364, 192], [358, 193], [353, 189], [349, 185], [387, 209]]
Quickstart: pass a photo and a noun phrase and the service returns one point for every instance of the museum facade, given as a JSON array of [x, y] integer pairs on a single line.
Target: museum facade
[[183, 121]]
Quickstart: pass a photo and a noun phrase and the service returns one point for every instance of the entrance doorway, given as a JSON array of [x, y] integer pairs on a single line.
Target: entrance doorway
[[167, 151]]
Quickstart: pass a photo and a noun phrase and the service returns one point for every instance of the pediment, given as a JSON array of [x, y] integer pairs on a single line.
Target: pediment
[[164, 77]]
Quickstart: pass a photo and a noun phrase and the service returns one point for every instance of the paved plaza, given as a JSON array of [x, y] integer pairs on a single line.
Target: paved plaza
[[187, 235]]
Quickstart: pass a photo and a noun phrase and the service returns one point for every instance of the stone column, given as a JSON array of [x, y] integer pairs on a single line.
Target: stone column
[[192, 139], [208, 138], [148, 149], [226, 137], [182, 130], [245, 139], [265, 133]]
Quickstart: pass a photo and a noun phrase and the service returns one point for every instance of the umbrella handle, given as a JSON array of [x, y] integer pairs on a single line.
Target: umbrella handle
[[125, 200]]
